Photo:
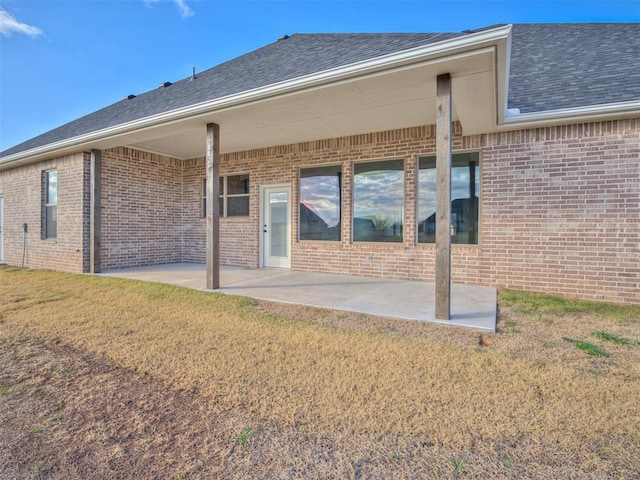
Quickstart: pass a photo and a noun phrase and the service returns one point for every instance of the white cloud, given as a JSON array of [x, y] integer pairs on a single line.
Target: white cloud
[[183, 8], [9, 25]]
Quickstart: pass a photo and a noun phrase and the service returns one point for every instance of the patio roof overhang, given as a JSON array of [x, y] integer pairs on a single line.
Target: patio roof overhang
[[388, 99], [388, 92]]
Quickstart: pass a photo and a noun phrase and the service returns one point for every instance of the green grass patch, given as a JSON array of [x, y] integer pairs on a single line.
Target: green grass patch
[[243, 437], [608, 337], [589, 348], [542, 303], [41, 468]]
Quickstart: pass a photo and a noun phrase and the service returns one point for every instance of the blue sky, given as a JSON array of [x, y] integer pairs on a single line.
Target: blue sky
[[60, 60]]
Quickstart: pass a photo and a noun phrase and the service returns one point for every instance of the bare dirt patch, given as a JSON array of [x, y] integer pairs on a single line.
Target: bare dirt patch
[[105, 378]]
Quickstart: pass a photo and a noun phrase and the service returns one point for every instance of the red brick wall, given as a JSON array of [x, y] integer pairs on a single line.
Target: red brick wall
[[193, 243], [561, 210], [141, 209], [22, 191], [152, 213]]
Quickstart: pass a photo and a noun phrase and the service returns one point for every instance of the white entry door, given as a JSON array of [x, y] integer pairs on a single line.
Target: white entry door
[[1, 238], [276, 226]]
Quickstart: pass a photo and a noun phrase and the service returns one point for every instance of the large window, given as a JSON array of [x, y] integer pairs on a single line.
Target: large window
[[234, 196], [465, 191], [50, 213], [320, 203], [378, 201]]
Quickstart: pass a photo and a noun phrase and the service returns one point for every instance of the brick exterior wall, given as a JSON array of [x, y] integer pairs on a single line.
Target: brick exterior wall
[[141, 209], [238, 235], [559, 209], [22, 191]]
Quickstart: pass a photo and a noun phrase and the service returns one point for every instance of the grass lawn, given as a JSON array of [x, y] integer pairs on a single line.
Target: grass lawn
[[113, 378]]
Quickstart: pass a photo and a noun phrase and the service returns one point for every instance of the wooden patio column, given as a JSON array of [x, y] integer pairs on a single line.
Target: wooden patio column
[[443, 197], [94, 210], [213, 200]]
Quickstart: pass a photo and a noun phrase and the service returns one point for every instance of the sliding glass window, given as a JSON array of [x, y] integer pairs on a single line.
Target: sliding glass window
[[465, 193]]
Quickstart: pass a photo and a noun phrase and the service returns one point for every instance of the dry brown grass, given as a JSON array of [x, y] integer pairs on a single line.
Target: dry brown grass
[[334, 394]]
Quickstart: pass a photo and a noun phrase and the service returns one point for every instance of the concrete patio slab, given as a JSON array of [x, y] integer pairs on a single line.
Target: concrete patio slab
[[473, 306]]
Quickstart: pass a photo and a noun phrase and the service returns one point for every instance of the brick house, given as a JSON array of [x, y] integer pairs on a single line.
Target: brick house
[[323, 150]]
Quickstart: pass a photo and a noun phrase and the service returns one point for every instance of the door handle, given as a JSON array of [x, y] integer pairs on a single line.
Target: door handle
[[264, 229]]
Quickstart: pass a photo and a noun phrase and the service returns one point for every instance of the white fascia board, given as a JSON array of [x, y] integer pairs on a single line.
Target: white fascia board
[[442, 49], [502, 71], [572, 115]]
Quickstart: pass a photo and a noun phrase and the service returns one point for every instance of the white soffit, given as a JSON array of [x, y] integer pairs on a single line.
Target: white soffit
[[383, 101]]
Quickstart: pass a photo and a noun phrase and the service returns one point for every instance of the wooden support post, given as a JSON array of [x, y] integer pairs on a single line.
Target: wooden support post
[[443, 197], [213, 206], [95, 183]]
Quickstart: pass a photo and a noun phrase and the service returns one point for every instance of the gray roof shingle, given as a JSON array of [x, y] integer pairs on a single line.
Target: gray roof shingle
[[553, 66], [557, 66]]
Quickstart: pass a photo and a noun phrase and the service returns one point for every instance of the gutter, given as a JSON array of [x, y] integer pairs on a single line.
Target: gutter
[[574, 114], [440, 49]]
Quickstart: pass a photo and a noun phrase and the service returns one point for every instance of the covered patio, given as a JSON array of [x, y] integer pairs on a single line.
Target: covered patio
[[472, 306]]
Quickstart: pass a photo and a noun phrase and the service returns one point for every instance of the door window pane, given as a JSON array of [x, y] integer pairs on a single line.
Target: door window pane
[[465, 189], [278, 224], [378, 201], [320, 199]]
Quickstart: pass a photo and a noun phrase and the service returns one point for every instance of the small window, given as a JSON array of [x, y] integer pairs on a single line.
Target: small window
[[234, 196], [465, 188], [378, 201], [320, 203], [50, 213]]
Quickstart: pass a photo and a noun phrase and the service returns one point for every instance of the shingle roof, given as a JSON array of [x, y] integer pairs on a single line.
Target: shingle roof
[[556, 66], [553, 66]]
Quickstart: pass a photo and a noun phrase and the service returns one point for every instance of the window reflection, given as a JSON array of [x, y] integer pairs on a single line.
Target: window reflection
[[378, 201], [465, 189], [320, 202]]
